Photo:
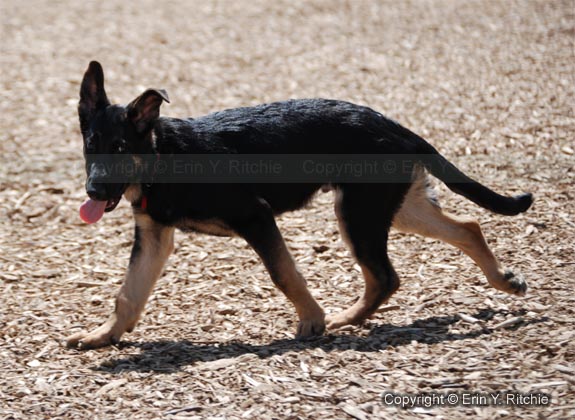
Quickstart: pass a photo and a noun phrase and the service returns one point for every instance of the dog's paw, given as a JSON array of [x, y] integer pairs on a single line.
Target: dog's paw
[[85, 340], [310, 328], [334, 321], [515, 284]]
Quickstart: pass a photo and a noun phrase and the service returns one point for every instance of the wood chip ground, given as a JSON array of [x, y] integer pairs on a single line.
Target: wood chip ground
[[489, 82]]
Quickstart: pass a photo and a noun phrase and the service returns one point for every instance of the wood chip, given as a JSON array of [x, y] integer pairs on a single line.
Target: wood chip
[[565, 369], [508, 323], [219, 364], [111, 385], [468, 318], [354, 412], [216, 339]]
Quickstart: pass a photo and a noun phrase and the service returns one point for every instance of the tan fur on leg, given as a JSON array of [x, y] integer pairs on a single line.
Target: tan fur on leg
[[156, 244], [293, 285], [365, 306], [419, 215]]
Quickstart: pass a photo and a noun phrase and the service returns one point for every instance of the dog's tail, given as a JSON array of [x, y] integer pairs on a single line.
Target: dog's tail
[[461, 184]]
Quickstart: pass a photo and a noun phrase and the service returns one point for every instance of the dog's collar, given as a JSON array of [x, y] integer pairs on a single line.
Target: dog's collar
[[144, 202]]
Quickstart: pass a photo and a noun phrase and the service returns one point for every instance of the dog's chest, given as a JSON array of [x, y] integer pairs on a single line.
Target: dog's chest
[[210, 226]]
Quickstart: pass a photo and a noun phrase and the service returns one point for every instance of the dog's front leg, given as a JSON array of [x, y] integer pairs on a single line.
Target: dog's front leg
[[153, 244]]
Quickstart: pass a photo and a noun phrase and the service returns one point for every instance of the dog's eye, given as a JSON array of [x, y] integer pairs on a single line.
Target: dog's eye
[[92, 141], [120, 147]]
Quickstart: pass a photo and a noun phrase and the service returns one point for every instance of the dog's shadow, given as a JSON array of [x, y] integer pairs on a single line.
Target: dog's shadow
[[171, 356]]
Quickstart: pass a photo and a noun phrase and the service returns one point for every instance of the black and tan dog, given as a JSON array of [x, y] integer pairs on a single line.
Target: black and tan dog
[[365, 211]]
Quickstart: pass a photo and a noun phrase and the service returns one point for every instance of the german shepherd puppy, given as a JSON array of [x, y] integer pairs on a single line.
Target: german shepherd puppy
[[365, 211]]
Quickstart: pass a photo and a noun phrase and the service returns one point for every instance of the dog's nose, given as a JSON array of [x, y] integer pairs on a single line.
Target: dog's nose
[[96, 191]]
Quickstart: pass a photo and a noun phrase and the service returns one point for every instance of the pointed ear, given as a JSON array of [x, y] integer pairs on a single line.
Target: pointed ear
[[92, 94], [145, 109]]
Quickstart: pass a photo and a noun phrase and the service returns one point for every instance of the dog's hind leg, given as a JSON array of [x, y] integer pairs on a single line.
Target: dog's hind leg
[[152, 246], [419, 214], [364, 215], [260, 231]]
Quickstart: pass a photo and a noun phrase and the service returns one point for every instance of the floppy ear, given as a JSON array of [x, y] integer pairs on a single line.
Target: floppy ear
[[92, 94], [145, 109]]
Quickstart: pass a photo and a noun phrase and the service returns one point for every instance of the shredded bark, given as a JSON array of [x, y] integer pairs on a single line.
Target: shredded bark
[[489, 83]]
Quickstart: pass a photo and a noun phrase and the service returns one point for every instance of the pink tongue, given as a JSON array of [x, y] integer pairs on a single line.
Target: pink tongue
[[92, 210]]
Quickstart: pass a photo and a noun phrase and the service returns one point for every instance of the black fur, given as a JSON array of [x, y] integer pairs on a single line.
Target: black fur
[[291, 127], [308, 126], [136, 246], [461, 184]]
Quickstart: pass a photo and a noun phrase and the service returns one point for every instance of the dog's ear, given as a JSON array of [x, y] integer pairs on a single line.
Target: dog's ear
[[145, 109], [92, 94]]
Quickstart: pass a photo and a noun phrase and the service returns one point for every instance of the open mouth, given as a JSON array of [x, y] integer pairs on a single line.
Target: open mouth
[[112, 203]]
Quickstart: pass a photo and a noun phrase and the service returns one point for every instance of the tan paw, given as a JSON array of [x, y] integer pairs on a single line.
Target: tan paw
[[334, 321], [100, 337], [310, 328], [517, 284], [511, 283]]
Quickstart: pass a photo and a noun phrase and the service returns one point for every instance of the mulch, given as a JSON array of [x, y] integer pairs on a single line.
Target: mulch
[[490, 83]]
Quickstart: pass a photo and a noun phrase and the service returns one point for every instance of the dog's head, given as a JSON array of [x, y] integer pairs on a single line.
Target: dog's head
[[115, 137]]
